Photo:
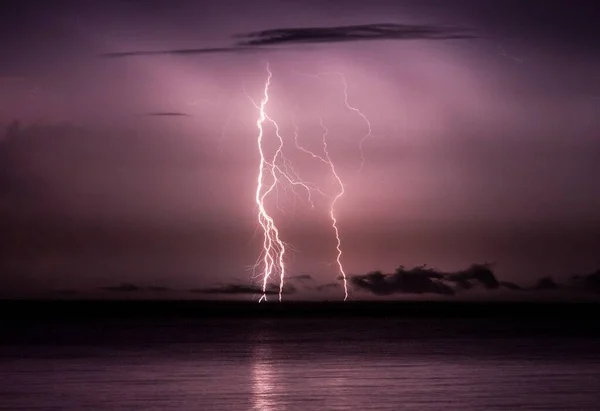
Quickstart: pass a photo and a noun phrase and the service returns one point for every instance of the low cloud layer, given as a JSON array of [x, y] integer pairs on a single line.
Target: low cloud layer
[[128, 288], [328, 286], [423, 280], [233, 289], [420, 280]]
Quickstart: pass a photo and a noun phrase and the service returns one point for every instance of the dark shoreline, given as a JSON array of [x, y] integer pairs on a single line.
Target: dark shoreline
[[39, 310]]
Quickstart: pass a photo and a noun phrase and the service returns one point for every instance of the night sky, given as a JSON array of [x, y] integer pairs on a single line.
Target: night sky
[[141, 168]]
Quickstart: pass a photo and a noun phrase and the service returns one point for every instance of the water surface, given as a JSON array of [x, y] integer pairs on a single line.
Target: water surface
[[295, 364]]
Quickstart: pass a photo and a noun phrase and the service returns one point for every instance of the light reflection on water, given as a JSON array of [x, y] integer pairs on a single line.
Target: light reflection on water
[[263, 379], [301, 365]]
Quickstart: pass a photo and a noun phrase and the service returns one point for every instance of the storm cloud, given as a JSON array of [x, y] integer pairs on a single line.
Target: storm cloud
[[255, 41], [364, 32], [419, 280]]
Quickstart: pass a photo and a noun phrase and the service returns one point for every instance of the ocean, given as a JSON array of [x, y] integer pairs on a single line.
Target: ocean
[[273, 364]]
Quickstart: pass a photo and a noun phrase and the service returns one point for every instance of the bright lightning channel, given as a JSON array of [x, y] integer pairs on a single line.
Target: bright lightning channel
[[279, 167], [332, 214], [327, 160], [273, 247], [369, 133], [365, 119]]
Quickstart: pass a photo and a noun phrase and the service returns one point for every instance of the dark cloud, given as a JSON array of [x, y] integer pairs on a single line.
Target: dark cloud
[[125, 287], [158, 289], [253, 41], [419, 280], [211, 50], [244, 289], [66, 293], [168, 114], [363, 32], [546, 283], [128, 287], [328, 286], [474, 275], [423, 280], [510, 285]]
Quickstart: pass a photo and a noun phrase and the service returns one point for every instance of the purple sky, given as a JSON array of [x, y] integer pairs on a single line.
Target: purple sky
[[483, 149]]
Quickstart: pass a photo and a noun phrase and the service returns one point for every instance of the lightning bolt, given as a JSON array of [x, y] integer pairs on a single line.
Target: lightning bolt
[[273, 248], [369, 134], [365, 119], [272, 172], [327, 160], [277, 168], [332, 214]]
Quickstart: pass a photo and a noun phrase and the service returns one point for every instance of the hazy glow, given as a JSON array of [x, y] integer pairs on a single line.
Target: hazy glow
[[450, 152]]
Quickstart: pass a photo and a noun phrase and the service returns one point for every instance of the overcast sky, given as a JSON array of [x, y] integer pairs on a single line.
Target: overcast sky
[[142, 168]]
